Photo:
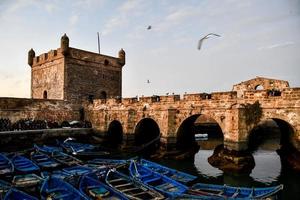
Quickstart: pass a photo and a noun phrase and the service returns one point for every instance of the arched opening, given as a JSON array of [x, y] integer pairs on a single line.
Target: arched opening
[[103, 95], [270, 134], [146, 131], [259, 87], [45, 95], [115, 132], [268, 142], [198, 129]]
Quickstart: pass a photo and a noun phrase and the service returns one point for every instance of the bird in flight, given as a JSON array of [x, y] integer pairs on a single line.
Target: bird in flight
[[206, 37], [149, 27]]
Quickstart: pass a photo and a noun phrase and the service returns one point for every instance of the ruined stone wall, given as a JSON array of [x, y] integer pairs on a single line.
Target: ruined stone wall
[[47, 75], [265, 83], [91, 74], [50, 110]]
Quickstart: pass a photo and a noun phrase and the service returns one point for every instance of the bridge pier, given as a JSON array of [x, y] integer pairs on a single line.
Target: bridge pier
[[236, 146]]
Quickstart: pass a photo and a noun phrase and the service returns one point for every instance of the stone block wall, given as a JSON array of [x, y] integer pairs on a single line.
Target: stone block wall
[[91, 74], [50, 110], [47, 74]]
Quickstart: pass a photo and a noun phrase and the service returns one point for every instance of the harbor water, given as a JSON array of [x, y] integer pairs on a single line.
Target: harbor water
[[268, 170]]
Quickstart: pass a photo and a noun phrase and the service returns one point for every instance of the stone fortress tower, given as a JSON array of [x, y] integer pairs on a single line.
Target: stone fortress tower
[[72, 74]]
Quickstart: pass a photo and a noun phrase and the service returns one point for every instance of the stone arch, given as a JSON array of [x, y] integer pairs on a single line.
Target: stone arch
[[259, 87], [271, 128], [115, 132], [145, 131], [185, 134]]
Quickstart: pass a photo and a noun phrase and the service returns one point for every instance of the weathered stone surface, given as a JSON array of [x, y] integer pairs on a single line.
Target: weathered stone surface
[[68, 73], [50, 110], [231, 161], [225, 108]]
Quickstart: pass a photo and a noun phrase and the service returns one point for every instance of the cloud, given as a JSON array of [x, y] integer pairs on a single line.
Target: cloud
[[113, 24], [73, 19], [9, 8], [181, 14], [50, 8], [129, 5], [276, 45], [89, 4]]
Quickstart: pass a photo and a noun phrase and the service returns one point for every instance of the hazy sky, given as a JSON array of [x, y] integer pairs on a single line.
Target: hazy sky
[[258, 38]]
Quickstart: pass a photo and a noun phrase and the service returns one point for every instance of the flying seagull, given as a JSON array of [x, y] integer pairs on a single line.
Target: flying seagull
[[206, 37], [149, 27]]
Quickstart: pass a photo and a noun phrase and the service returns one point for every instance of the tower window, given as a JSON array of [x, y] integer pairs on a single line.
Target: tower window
[[106, 62], [45, 95]]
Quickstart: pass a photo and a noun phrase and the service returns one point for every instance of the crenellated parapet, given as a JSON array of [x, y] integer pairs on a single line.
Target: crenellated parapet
[[73, 74]]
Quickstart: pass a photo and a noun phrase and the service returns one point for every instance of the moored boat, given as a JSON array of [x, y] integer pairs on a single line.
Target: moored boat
[[78, 170], [4, 187], [65, 159], [24, 165], [57, 174], [6, 166], [228, 192], [130, 188], [95, 189], [43, 160], [47, 149], [26, 180], [14, 194], [171, 173], [161, 183], [55, 188], [82, 149], [99, 163]]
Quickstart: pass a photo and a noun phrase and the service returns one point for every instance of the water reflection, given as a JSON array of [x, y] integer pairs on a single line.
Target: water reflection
[[267, 166], [268, 170], [203, 167]]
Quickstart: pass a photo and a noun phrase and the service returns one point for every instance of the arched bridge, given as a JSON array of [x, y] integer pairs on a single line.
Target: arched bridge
[[236, 112]]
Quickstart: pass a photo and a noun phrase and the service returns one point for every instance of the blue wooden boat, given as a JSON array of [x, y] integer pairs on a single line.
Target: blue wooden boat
[[24, 165], [6, 166], [72, 146], [47, 149], [44, 161], [108, 161], [65, 159], [57, 174], [78, 170], [14, 194], [171, 173], [95, 189], [4, 187], [26, 180], [131, 188], [81, 149], [229, 192], [55, 188], [161, 183]]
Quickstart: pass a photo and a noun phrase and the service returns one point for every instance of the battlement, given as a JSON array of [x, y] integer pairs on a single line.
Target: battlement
[[77, 54], [74, 74], [47, 57]]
